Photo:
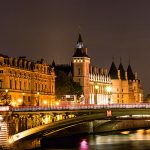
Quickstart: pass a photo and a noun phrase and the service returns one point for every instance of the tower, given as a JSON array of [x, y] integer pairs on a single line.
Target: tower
[[81, 62]]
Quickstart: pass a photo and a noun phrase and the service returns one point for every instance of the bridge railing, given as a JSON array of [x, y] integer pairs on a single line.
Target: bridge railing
[[74, 107]]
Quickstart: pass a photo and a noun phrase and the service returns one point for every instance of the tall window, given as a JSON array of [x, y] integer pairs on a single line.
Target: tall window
[[79, 71], [25, 85], [36, 86], [52, 88], [29, 86], [15, 84], [20, 85], [39, 88], [0, 84], [10, 84]]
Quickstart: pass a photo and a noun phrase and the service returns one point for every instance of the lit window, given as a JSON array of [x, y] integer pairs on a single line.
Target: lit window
[[20, 85]]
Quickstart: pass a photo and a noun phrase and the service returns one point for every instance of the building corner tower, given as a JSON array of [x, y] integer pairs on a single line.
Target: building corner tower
[[81, 63]]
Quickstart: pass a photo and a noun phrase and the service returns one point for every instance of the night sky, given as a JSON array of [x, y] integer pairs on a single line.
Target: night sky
[[49, 29]]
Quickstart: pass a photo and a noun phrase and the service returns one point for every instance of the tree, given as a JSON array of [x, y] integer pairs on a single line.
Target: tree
[[66, 86]]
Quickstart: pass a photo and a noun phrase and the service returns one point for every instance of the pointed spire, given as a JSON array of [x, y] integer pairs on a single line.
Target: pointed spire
[[130, 73], [80, 50], [79, 42], [113, 71], [53, 63], [122, 72], [80, 39]]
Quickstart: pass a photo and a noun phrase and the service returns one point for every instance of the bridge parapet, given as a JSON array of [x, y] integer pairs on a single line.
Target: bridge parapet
[[18, 119]]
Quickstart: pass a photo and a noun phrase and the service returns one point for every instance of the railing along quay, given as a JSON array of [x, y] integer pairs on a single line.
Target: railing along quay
[[74, 107]]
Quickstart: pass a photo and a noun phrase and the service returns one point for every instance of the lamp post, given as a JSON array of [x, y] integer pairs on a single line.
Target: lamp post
[[109, 89], [96, 89], [6, 98], [38, 98]]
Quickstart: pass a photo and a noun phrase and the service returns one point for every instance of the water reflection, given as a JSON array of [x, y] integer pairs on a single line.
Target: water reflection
[[83, 145], [139, 140]]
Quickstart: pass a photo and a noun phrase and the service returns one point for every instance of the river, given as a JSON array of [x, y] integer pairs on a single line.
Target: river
[[126, 140]]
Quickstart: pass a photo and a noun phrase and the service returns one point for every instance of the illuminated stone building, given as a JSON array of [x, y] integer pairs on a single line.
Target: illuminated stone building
[[24, 82], [101, 86], [126, 87]]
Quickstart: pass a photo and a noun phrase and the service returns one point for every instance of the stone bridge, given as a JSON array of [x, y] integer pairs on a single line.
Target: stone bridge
[[19, 123]]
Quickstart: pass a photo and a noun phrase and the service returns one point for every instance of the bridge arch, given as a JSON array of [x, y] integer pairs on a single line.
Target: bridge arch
[[57, 126]]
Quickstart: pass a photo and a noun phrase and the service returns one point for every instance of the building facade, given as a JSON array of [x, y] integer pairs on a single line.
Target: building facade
[[24, 82], [103, 87]]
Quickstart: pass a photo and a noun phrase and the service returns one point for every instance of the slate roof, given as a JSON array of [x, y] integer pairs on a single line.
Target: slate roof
[[113, 72], [130, 73], [122, 72]]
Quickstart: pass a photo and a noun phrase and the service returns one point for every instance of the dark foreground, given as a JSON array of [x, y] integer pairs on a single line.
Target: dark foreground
[[135, 140]]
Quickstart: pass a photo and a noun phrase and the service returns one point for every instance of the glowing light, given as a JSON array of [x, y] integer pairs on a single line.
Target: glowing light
[[22, 93], [38, 93], [108, 89], [84, 145], [10, 140], [6, 90], [125, 132], [46, 119], [57, 103], [13, 103], [4, 108], [140, 131], [96, 87], [1, 118], [20, 100], [45, 102]]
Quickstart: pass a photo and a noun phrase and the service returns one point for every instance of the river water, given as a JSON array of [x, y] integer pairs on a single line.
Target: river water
[[127, 140]]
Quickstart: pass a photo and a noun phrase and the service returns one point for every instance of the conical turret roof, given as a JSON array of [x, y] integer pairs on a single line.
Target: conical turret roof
[[122, 72], [130, 73], [113, 71], [80, 39], [80, 50]]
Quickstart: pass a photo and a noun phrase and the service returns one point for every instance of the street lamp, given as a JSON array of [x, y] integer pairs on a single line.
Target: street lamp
[[108, 90], [6, 98], [96, 98], [38, 98]]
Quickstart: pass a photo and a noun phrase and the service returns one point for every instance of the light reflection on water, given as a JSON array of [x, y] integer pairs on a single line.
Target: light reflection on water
[[137, 140]]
